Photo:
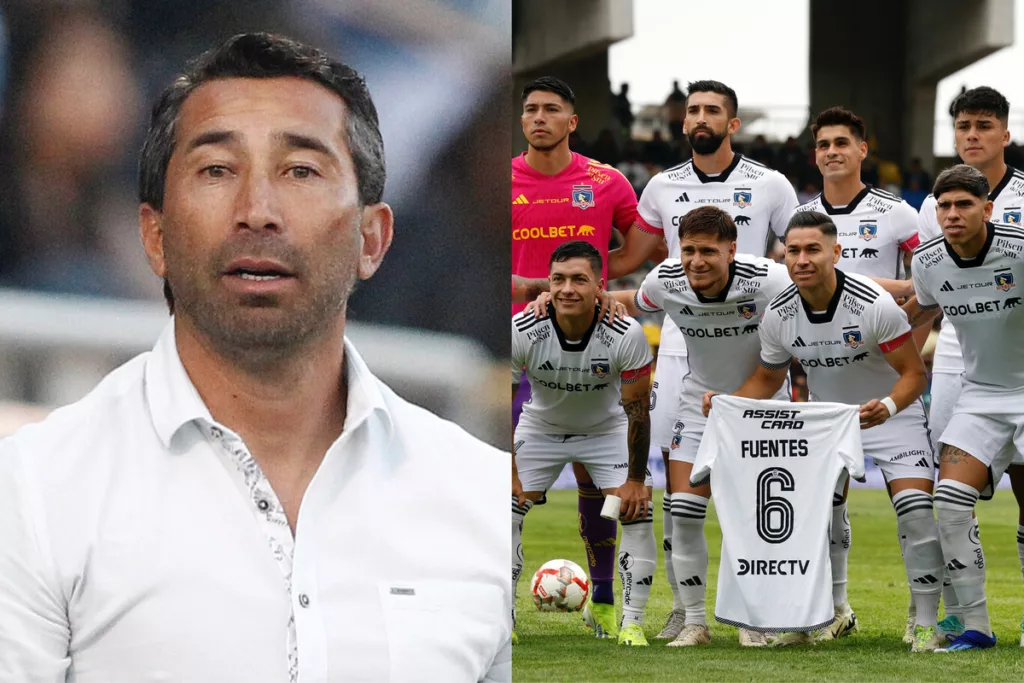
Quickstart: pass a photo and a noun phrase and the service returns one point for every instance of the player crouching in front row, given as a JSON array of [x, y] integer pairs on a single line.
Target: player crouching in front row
[[580, 366], [851, 338]]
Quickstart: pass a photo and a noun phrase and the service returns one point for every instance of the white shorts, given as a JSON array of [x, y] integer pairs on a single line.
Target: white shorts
[[901, 446], [945, 392], [989, 424], [688, 429], [540, 458], [668, 385]]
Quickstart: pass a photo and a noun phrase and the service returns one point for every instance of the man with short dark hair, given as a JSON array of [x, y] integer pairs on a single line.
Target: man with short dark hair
[[212, 511], [852, 339], [980, 134], [970, 273], [589, 406]]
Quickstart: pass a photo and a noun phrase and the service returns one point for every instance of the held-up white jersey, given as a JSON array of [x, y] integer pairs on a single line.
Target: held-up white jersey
[[875, 230], [758, 198], [775, 466], [1007, 207], [842, 348], [721, 332], [981, 300], [575, 386]]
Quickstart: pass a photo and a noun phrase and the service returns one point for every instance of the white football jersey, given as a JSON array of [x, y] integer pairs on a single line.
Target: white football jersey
[[1007, 207], [775, 467], [981, 300], [841, 350], [721, 332], [575, 386], [758, 198], [875, 230]]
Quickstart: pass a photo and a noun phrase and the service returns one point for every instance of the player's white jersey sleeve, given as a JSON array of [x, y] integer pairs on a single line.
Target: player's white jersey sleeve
[[904, 224], [774, 353], [890, 323], [647, 208], [520, 347], [651, 295], [634, 351], [778, 279], [927, 222], [775, 466], [925, 256], [785, 204]]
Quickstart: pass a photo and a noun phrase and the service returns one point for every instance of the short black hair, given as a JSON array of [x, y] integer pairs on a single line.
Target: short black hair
[[732, 104], [708, 220], [839, 116], [812, 219], [550, 84], [578, 249], [264, 55], [962, 177], [981, 100]]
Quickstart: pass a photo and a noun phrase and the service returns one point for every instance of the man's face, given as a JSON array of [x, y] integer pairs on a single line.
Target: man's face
[[838, 153], [810, 256], [706, 260], [261, 235], [547, 120], [574, 286], [980, 138], [961, 215], [707, 122]]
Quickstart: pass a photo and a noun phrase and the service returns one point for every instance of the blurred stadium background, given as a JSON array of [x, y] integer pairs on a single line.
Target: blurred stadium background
[[76, 295], [887, 60]]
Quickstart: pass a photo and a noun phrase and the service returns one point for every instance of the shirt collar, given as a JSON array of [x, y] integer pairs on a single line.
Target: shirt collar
[[173, 401]]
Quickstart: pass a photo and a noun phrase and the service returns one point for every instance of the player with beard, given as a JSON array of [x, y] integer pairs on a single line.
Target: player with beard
[[759, 200], [980, 134], [559, 196]]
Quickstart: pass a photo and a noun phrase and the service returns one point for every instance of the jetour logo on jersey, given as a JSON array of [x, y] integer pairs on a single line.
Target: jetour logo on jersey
[[852, 338], [1012, 216], [583, 196], [1004, 281], [867, 231], [742, 197]]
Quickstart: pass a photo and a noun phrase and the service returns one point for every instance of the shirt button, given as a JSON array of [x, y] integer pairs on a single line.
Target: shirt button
[[263, 505], [303, 599]]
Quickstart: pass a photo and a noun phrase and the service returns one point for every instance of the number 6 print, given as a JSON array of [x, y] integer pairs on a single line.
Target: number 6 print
[[768, 504]]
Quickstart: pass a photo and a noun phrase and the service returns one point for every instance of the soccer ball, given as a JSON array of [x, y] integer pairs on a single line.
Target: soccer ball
[[560, 586]]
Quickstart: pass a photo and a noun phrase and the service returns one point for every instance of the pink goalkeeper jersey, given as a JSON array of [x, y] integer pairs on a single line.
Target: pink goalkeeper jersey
[[582, 202]]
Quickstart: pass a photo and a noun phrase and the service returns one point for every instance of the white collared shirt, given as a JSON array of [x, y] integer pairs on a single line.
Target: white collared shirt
[[139, 541]]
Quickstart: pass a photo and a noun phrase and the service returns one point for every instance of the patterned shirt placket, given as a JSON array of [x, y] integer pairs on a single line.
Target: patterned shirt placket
[[270, 514]]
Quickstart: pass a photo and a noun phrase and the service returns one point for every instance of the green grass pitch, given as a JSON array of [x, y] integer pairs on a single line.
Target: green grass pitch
[[556, 647]]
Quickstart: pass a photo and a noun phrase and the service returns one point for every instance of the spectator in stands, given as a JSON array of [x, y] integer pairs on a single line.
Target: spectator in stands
[[675, 112], [631, 167], [761, 152], [914, 193], [791, 160], [622, 110], [657, 152], [917, 173], [579, 145], [605, 149]]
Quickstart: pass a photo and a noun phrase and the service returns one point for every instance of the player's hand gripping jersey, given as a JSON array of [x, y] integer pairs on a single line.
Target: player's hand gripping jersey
[[576, 386], [773, 467]]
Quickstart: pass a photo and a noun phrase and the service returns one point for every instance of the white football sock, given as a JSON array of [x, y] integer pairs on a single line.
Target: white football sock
[[961, 550], [638, 557], [839, 550], [666, 546], [922, 554], [518, 513], [690, 553]]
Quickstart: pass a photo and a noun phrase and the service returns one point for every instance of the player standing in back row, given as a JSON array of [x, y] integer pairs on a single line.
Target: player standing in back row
[[874, 229], [972, 273], [855, 344], [759, 200], [590, 405], [559, 196], [980, 118]]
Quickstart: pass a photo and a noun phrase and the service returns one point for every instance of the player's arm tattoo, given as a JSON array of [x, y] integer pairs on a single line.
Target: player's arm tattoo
[[638, 434], [953, 455], [535, 287]]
